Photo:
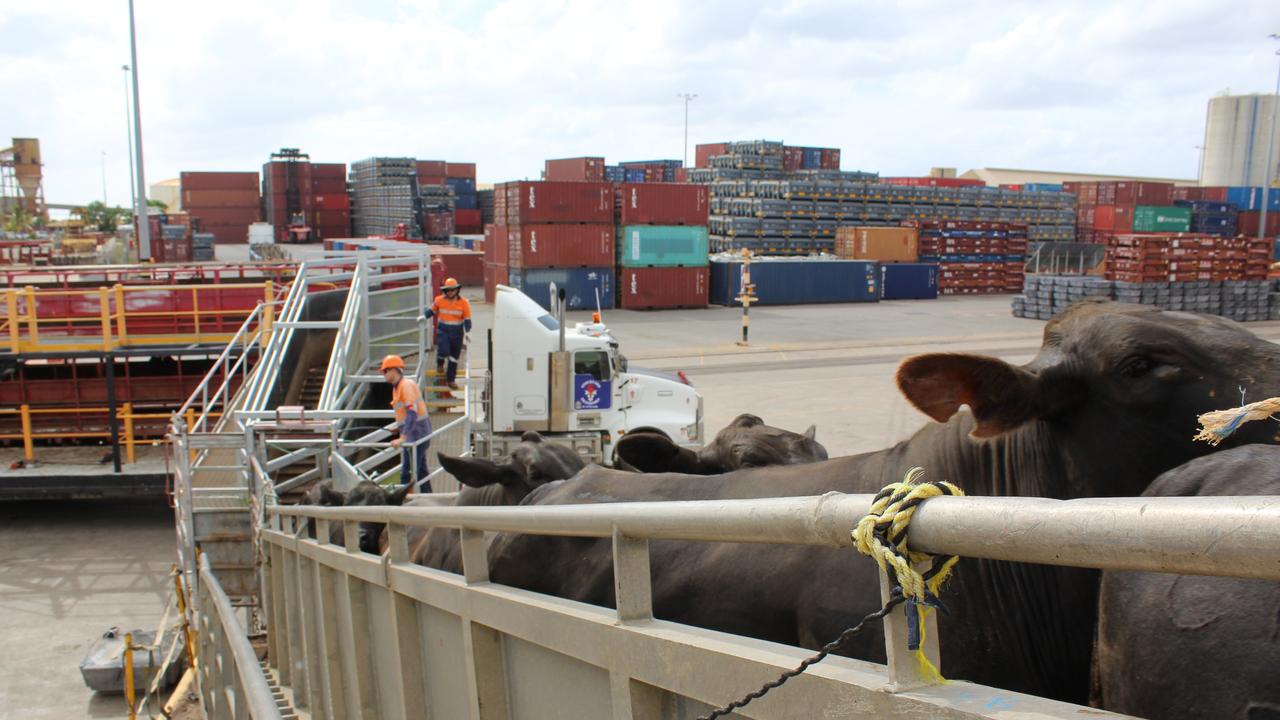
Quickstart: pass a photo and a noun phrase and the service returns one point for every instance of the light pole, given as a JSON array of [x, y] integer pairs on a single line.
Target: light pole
[[1271, 140], [104, 178], [128, 130], [143, 228], [688, 97]]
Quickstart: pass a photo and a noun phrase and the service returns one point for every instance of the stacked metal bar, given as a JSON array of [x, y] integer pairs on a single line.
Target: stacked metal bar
[[384, 194]]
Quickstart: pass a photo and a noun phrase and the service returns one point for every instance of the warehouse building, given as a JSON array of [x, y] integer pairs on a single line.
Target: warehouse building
[[995, 177]]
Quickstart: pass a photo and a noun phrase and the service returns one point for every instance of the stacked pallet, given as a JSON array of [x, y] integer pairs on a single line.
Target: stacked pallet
[[1185, 257], [226, 203], [384, 194], [662, 246], [975, 258]]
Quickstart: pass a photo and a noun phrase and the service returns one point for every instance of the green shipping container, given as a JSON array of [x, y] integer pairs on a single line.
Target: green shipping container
[[663, 246], [1156, 218]]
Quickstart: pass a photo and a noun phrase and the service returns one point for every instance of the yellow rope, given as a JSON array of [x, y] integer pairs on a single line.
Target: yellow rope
[[1218, 425], [882, 534]]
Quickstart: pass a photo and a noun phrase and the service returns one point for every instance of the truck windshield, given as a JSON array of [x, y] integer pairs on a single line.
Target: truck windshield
[[549, 322]]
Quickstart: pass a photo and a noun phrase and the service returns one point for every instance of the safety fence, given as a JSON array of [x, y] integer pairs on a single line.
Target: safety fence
[[156, 424], [78, 276], [231, 683], [357, 635]]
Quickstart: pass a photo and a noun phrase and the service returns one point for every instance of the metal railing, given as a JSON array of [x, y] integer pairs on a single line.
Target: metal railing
[[231, 683], [348, 630]]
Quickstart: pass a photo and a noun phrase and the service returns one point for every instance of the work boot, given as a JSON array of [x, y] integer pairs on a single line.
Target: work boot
[[453, 385]]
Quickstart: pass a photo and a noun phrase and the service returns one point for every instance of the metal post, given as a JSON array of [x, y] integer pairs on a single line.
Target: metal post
[[28, 447], [114, 421], [687, 98], [1271, 139], [746, 295], [128, 129], [142, 230]]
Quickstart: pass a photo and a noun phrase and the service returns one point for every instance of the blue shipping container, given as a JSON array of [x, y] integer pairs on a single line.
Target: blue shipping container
[[466, 202], [908, 281], [615, 173], [634, 175], [798, 282], [461, 186], [812, 158], [580, 285]]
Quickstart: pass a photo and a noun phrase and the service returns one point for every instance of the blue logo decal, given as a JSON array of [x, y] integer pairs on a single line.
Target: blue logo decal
[[590, 393]]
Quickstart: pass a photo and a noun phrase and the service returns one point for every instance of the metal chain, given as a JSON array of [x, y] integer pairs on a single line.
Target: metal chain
[[818, 657]]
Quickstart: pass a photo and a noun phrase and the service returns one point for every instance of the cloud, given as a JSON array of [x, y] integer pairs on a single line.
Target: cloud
[[900, 86]]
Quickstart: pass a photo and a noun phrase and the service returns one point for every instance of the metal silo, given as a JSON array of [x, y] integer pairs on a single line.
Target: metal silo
[[1235, 140]]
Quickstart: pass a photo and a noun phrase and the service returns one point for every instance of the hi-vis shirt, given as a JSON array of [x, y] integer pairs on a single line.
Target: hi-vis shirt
[[406, 398], [451, 312]]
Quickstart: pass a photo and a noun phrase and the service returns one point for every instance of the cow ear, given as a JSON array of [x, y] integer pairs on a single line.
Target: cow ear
[[651, 452], [746, 420], [811, 432], [397, 496], [331, 496], [477, 472], [1001, 396]]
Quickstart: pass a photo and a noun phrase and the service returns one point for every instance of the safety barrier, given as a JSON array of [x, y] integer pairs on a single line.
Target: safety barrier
[[231, 683], [125, 416], [355, 633], [123, 316]]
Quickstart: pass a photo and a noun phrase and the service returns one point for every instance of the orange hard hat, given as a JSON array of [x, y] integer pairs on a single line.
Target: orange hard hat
[[450, 284], [392, 361]]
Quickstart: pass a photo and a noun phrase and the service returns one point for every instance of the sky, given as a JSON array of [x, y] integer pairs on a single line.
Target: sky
[[1110, 87]]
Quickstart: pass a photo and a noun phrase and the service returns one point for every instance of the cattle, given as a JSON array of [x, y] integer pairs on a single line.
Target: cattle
[[1108, 403], [745, 442], [529, 465], [365, 493], [1186, 646]]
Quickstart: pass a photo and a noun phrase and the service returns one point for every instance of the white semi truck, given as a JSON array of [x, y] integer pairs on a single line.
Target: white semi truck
[[573, 386]]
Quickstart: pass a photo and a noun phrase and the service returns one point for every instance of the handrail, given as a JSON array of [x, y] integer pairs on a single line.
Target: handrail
[[244, 679], [1219, 536], [221, 365]]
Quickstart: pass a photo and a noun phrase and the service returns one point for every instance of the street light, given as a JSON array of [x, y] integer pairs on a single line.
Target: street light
[[128, 130], [142, 230], [688, 97], [1271, 140]]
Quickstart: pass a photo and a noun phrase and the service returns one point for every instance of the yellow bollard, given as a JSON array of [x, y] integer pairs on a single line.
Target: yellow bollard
[[188, 634], [195, 310], [28, 447], [104, 311], [126, 414], [128, 676], [122, 332], [268, 315], [33, 332]]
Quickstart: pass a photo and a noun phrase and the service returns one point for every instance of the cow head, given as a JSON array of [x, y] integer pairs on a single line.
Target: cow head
[[365, 493], [532, 463], [1113, 395], [745, 442]]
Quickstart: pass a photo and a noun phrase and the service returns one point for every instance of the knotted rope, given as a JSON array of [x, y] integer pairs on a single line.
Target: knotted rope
[[1218, 425]]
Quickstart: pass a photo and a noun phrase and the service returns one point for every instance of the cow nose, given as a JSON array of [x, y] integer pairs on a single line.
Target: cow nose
[[366, 540]]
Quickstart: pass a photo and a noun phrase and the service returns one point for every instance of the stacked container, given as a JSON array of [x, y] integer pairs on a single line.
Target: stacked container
[[897, 249], [226, 203], [650, 171], [975, 258], [662, 246], [553, 232], [580, 169], [796, 281], [461, 180], [331, 201], [1211, 217]]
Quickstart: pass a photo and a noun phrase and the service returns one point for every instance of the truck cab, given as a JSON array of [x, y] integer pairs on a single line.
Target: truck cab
[[573, 385]]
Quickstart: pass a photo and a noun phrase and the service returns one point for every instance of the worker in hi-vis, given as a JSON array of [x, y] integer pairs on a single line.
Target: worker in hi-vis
[[453, 322], [412, 421]]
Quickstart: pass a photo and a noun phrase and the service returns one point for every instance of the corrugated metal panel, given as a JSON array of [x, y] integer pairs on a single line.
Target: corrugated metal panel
[[550, 202], [798, 282], [581, 285], [908, 281], [661, 288], [702, 153], [460, 170], [560, 245], [1149, 218], [218, 180], [662, 246], [580, 169], [496, 244], [662, 204]]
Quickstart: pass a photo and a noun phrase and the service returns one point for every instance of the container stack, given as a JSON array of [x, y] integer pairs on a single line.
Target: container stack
[[650, 171], [384, 194], [897, 249], [975, 258], [226, 203], [1210, 217], [662, 246], [287, 193], [795, 281], [461, 180], [202, 247], [331, 201], [1106, 208], [553, 232]]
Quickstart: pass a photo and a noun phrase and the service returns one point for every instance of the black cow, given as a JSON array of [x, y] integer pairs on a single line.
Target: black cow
[[1109, 403], [365, 493], [745, 442], [531, 464], [1187, 646]]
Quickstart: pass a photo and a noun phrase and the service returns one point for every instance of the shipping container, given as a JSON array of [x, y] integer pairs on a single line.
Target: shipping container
[[220, 198], [1116, 218], [1142, 193], [660, 288], [431, 168], [218, 180], [580, 169], [460, 170], [549, 202], [662, 204], [581, 285], [702, 153], [328, 171], [496, 246], [662, 245], [328, 186], [1150, 218], [461, 186], [468, 219], [494, 275], [340, 201], [831, 158], [883, 244], [467, 266], [908, 281], [812, 158], [226, 216], [560, 245], [792, 158], [1247, 223], [333, 217], [634, 175], [797, 282]]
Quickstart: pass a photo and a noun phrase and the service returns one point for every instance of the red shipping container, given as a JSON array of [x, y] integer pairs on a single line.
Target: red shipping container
[[495, 244], [460, 170], [1248, 221], [225, 216], [661, 288], [332, 217], [548, 202], [1141, 193], [831, 158], [467, 218], [236, 234], [340, 201], [431, 167], [494, 275], [465, 265], [328, 186], [218, 180], [220, 198], [1213, 194], [581, 169], [792, 158], [560, 246], [328, 171], [1116, 218], [437, 225], [702, 153], [662, 204], [682, 175]]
